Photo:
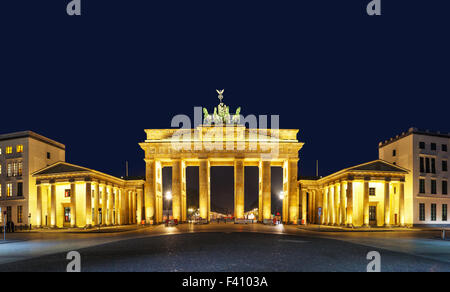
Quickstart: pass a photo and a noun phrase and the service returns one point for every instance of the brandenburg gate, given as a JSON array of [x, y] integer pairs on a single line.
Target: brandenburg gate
[[220, 141]]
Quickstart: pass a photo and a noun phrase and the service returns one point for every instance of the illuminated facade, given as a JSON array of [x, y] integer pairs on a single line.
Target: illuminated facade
[[21, 154], [426, 155], [68, 195], [207, 146], [370, 194]]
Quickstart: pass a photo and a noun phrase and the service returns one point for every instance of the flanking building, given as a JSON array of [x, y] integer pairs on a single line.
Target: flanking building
[[74, 196], [21, 154], [369, 194], [426, 155]]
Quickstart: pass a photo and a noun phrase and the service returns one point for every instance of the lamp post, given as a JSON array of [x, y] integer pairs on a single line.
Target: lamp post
[[168, 198], [282, 201]]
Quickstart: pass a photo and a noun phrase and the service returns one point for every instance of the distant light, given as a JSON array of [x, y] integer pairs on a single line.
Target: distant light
[[169, 196], [281, 195]]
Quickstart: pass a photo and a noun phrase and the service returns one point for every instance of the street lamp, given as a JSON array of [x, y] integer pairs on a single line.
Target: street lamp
[[168, 198], [281, 195]]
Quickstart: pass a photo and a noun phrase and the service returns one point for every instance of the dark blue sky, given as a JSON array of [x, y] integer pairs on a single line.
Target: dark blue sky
[[345, 79]]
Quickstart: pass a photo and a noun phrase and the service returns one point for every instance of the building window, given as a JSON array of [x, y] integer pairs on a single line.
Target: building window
[[444, 212], [66, 215], [433, 212], [19, 148], [8, 214], [422, 145], [433, 165], [9, 150], [422, 164], [422, 186], [444, 148], [427, 165], [422, 212], [394, 152], [9, 170], [15, 169], [48, 155], [444, 187], [0, 193], [67, 193], [444, 165], [433, 186], [0, 169], [0, 151], [9, 190], [433, 146], [19, 214], [372, 192], [20, 166], [20, 189]]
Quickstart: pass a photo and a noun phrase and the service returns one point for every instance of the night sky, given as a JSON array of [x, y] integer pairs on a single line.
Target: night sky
[[345, 79]]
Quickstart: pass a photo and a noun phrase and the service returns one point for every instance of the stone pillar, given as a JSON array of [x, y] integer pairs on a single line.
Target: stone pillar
[[176, 189], [158, 192], [116, 207], [109, 205], [401, 203], [294, 196], [130, 207], [38, 206], [53, 219], [150, 188], [134, 221], [104, 205], [366, 203], [126, 206], [336, 204], [285, 212], [260, 195], [266, 190], [183, 192], [204, 188], [320, 203], [342, 212], [139, 206], [330, 206], [88, 205], [73, 204], [387, 203], [304, 213], [350, 203], [96, 204], [325, 205], [239, 198]]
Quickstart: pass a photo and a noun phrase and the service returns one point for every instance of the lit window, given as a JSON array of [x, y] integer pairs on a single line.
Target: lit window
[[19, 149], [0, 191], [8, 150], [19, 214], [67, 193], [0, 169], [372, 192], [15, 169], [20, 168], [9, 170], [1, 150], [9, 190]]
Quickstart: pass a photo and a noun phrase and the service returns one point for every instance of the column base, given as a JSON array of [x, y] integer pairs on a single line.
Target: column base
[[387, 225]]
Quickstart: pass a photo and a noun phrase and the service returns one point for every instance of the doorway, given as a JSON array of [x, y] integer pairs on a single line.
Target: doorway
[[372, 215]]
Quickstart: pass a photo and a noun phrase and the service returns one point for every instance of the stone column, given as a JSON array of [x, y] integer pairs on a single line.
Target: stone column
[[260, 195], [104, 205], [150, 188], [96, 204], [304, 213], [53, 219], [130, 207], [126, 207], [349, 203], [401, 203], [336, 204], [158, 192], [266, 190], [176, 189], [342, 205], [109, 205], [116, 207], [139, 206], [387, 203], [88, 205], [320, 205], [366, 203], [204, 186], [38, 206], [73, 204], [330, 206], [239, 172], [325, 205], [294, 196], [133, 218], [183, 192]]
